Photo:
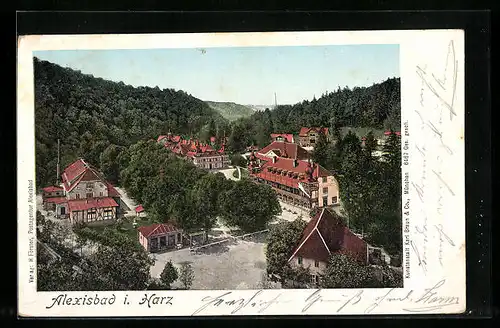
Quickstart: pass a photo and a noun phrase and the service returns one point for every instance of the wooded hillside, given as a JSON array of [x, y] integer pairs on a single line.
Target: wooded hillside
[[90, 114]]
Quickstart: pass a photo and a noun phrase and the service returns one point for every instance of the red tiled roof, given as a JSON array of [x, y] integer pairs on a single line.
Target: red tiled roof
[[387, 133], [304, 131], [56, 200], [160, 138], [326, 234], [287, 136], [74, 170], [87, 203], [397, 133], [139, 209], [156, 229], [52, 189], [285, 149], [287, 164]]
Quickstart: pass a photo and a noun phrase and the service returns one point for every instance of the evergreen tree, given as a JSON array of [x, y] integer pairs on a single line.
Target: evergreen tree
[[321, 150], [186, 275], [169, 275]]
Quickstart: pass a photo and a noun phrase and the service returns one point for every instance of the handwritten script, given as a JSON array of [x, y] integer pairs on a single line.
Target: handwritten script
[[435, 114], [320, 300]]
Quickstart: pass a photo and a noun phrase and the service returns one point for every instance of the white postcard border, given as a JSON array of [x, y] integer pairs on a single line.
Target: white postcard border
[[432, 96]]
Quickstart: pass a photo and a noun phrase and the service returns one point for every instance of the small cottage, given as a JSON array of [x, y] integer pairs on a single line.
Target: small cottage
[[324, 236], [139, 211], [159, 236]]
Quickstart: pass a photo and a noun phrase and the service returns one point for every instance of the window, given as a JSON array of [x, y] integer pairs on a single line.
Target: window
[[100, 194], [313, 278], [77, 196], [312, 141], [90, 195], [334, 200], [316, 279], [299, 260], [316, 264], [325, 190], [108, 213], [92, 214], [325, 200]]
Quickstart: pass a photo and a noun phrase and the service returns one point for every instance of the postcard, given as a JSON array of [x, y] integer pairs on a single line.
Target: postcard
[[217, 174]]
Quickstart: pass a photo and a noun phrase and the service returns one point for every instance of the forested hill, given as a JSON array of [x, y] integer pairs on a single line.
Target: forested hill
[[375, 107], [231, 111], [92, 116]]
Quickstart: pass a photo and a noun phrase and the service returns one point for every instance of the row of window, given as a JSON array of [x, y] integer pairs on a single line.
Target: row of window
[[92, 215], [217, 159], [89, 195]]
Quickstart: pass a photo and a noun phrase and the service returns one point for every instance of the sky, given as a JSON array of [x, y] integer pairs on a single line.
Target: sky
[[244, 75]]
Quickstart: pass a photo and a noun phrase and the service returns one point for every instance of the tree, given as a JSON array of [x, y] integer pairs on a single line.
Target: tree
[[370, 144], [282, 239], [109, 163], [238, 160], [186, 275], [248, 205], [169, 275], [204, 200], [343, 271]]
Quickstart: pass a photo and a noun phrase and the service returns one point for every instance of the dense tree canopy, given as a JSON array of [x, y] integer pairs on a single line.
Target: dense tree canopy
[[116, 262], [282, 239], [377, 107], [249, 206]]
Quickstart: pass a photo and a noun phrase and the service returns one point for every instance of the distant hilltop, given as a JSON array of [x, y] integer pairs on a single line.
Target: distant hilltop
[[259, 108]]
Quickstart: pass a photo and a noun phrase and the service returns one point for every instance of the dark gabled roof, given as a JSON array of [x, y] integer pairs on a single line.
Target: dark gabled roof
[[326, 234]]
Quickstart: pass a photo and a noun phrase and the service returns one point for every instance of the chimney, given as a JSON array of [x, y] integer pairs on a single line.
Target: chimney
[[87, 200], [275, 159], [295, 162]]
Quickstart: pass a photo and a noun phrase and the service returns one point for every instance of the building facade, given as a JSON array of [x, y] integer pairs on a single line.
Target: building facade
[[324, 236], [309, 136], [160, 236], [84, 196], [296, 182]]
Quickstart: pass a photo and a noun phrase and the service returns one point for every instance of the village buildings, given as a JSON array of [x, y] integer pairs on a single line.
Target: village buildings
[[84, 195], [309, 136], [288, 170], [324, 236], [201, 154]]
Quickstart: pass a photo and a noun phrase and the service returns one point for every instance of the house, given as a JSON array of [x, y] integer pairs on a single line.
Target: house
[[84, 196], [159, 236], [297, 182], [201, 154], [309, 136], [139, 210], [282, 137], [326, 235]]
